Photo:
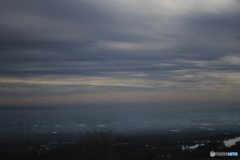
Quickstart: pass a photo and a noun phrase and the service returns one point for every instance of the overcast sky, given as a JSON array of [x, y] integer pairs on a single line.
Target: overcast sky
[[119, 51]]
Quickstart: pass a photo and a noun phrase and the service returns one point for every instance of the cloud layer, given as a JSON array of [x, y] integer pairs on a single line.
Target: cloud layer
[[71, 48]]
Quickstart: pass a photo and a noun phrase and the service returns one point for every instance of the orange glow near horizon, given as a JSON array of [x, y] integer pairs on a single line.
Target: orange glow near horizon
[[130, 97]]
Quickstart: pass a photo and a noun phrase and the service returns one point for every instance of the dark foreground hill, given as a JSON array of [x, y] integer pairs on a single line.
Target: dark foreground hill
[[104, 145]]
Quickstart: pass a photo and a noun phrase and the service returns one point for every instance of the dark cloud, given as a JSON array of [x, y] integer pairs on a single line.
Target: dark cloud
[[101, 39], [80, 11]]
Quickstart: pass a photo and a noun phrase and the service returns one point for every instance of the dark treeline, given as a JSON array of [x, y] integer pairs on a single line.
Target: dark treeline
[[104, 145]]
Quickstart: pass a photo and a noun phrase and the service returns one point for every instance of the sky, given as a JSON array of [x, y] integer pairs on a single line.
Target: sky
[[74, 52]]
